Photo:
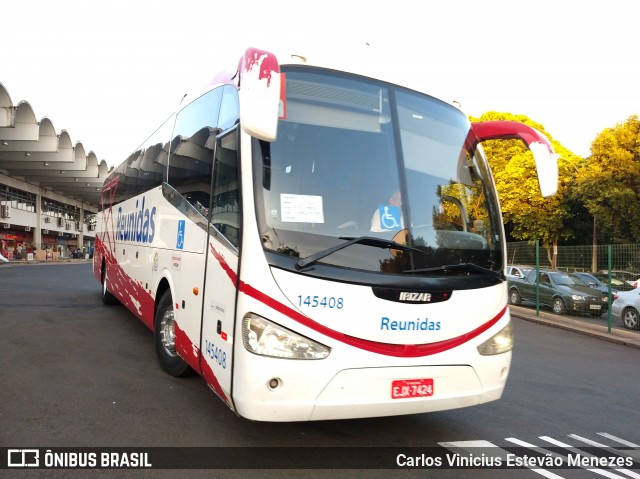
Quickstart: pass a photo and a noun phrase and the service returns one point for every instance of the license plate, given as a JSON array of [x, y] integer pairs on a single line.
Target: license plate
[[411, 388], [595, 306]]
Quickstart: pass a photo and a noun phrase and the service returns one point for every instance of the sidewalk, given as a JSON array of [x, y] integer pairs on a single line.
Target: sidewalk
[[617, 335], [24, 262]]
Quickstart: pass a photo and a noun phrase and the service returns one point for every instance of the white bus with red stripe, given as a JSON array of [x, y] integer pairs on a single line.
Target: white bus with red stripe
[[317, 243]]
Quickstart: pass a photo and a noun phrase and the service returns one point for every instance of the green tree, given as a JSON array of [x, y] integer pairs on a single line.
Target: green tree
[[530, 216], [608, 183]]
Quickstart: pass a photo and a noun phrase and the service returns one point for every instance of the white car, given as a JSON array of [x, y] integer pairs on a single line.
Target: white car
[[627, 276], [627, 307], [518, 271]]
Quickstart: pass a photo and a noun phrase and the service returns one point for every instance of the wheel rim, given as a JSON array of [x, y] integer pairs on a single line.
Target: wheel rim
[[557, 306], [631, 319], [514, 297], [167, 332]]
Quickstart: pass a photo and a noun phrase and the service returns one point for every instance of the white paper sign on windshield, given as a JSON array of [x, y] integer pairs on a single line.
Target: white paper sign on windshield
[[301, 208]]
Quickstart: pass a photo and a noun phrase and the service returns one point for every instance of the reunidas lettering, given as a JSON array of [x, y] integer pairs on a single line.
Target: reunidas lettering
[[138, 225], [387, 324]]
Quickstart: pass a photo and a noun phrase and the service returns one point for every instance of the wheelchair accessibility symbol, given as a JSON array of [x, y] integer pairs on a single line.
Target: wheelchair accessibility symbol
[[180, 238], [390, 217]]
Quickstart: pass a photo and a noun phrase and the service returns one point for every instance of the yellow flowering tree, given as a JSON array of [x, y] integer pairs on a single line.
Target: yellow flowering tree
[[608, 183]]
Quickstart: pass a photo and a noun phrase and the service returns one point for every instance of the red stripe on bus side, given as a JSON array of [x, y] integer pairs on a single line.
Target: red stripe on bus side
[[191, 354]]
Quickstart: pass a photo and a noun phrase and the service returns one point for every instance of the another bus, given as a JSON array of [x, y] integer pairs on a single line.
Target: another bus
[[317, 243]]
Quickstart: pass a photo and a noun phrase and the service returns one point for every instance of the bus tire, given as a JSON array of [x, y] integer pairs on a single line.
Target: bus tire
[[107, 297], [164, 334]]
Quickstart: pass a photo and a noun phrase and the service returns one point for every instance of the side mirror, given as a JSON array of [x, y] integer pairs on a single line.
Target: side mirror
[[259, 92], [546, 159]]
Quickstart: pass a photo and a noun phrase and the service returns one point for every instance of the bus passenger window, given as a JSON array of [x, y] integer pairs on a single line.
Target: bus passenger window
[[191, 158]]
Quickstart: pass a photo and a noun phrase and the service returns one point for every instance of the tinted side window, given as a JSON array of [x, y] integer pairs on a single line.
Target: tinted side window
[[192, 147], [229, 109]]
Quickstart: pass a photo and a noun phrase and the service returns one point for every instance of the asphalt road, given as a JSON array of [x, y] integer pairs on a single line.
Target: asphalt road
[[75, 373]]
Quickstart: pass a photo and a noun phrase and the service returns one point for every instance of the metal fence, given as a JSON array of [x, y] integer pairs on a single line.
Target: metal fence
[[615, 265], [623, 257]]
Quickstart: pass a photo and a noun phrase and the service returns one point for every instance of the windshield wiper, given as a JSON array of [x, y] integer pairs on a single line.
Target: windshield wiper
[[365, 240], [469, 267]]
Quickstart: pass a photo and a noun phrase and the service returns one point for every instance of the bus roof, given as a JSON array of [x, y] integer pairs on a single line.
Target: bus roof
[[363, 60]]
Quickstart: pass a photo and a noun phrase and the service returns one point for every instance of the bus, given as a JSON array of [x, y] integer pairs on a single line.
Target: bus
[[317, 243]]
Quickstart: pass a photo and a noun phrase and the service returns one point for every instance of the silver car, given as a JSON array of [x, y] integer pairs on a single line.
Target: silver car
[[626, 306]]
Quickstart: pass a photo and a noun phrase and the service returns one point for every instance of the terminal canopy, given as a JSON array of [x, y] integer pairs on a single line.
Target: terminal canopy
[[32, 151]]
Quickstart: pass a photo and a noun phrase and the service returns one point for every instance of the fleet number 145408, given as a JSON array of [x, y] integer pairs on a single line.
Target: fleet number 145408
[[330, 302]]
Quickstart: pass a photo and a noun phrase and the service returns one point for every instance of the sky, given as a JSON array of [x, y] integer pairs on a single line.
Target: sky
[[110, 72]]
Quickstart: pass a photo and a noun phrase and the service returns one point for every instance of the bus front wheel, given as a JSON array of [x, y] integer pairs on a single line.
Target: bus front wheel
[[165, 338]]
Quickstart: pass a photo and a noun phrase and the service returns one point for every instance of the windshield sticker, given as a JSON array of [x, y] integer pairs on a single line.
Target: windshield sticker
[[390, 218], [301, 208]]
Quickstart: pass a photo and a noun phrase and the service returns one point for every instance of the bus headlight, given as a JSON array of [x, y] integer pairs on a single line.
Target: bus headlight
[[265, 338], [499, 343]]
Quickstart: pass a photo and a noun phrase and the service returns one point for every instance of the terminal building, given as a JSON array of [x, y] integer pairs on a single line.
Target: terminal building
[[50, 189]]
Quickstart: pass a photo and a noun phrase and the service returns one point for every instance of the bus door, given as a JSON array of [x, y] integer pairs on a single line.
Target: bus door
[[221, 277]]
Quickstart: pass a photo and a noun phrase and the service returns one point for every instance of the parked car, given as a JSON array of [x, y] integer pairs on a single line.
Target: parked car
[[628, 277], [518, 271], [559, 290], [616, 283], [627, 308], [595, 280]]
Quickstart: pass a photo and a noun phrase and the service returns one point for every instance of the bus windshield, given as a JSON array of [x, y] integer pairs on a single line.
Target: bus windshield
[[356, 161]]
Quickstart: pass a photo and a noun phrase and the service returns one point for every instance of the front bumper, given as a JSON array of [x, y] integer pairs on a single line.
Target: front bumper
[[366, 392]]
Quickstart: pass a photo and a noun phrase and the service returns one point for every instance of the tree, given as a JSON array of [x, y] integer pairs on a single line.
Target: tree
[[608, 183], [531, 216]]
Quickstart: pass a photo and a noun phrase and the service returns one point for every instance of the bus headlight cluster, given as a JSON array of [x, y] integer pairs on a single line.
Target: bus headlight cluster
[[499, 343], [261, 336]]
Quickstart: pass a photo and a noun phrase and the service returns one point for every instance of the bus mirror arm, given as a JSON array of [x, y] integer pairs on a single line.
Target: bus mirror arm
[[545, 157]]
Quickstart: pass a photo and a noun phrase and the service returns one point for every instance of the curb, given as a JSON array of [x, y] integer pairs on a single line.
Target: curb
[[9, 264], [618, 336]]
